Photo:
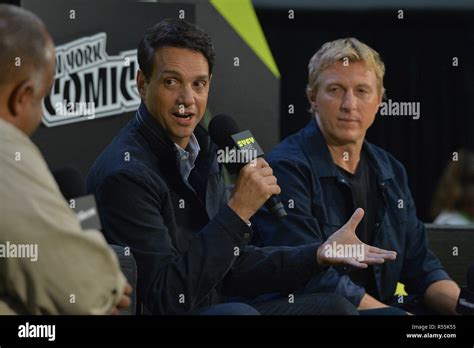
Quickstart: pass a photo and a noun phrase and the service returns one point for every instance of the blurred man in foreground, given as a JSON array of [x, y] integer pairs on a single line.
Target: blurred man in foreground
[[48, 265]]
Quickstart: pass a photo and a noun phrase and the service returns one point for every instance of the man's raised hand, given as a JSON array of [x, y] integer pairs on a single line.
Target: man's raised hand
[[343, 247]]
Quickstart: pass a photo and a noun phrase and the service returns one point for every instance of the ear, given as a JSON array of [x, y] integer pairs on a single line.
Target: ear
[[312, 100], [141, 84], [20, 98]]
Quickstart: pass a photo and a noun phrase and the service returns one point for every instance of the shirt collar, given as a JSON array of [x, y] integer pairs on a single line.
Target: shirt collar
[[187, 158], [168, 152], [192, 151], [318, 153]]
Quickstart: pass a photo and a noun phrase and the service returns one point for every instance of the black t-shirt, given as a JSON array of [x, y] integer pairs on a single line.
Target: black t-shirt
[[363, 186]]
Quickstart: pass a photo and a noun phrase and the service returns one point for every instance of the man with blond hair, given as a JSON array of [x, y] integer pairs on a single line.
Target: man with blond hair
[[328, 169]]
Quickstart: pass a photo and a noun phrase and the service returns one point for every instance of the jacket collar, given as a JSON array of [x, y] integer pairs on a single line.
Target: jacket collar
[[154, 131], [320, 157], [161, 143]]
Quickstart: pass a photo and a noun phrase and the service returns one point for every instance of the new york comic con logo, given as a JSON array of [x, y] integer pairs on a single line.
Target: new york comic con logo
[[89, 83]]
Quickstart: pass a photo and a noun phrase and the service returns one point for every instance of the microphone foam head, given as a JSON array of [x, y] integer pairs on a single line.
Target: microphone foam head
[[221, 128]]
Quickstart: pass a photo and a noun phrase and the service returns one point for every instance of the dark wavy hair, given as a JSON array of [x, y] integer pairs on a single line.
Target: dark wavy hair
[[173, 32]]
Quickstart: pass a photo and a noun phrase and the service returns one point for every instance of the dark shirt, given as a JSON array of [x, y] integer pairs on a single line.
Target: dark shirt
[[319, 202], [191, 249], [363, 184]]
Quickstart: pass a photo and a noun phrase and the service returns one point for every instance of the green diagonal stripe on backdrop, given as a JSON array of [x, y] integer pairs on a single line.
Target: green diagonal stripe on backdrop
[[241, 16]]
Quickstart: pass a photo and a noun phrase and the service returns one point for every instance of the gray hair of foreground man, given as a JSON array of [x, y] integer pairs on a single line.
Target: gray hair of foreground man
[[26, 67], [23, 43]]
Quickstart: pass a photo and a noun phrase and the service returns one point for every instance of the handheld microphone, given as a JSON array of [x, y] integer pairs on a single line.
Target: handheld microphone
[[240, 148], [465, 304], [73, 188]]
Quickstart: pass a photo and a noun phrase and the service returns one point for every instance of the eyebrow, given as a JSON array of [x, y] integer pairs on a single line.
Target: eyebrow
[[334, 84], [340, 85], [176, 73], [364, 85]]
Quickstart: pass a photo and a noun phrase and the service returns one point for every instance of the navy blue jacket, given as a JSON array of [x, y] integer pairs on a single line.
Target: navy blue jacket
[[319, 201], [191, 248]]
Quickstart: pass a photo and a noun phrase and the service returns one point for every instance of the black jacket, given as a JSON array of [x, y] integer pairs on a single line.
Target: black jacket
[[191, 248]]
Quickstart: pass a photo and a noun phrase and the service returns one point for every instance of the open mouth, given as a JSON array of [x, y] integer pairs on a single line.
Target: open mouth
[[183, 116]]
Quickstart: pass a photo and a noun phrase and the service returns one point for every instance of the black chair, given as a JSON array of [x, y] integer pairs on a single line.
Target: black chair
[[447, 240], [128, 266]]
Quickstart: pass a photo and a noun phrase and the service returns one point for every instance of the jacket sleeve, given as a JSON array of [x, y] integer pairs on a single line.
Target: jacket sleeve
[[58, 268], [420, 267], [175, 281], [271, 269], [300, 227]]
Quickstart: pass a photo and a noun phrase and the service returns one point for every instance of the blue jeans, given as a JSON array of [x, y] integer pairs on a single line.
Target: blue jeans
[[383, 311], [233, 308], [302, 304], [308, 304]]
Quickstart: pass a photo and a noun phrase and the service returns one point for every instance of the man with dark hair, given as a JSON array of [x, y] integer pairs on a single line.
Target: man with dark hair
[[50, 277], [161, 192], [173, 33]]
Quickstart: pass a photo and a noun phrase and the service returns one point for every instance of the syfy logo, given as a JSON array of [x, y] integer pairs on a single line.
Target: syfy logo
[[89, 83]]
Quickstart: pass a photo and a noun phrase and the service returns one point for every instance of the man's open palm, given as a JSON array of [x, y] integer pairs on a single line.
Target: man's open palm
[[343, 247]]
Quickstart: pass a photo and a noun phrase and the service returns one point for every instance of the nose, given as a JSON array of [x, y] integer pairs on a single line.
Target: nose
[[186, 96], [349, 101]]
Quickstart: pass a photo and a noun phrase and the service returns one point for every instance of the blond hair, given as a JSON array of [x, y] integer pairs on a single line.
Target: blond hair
[[349, 49]]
